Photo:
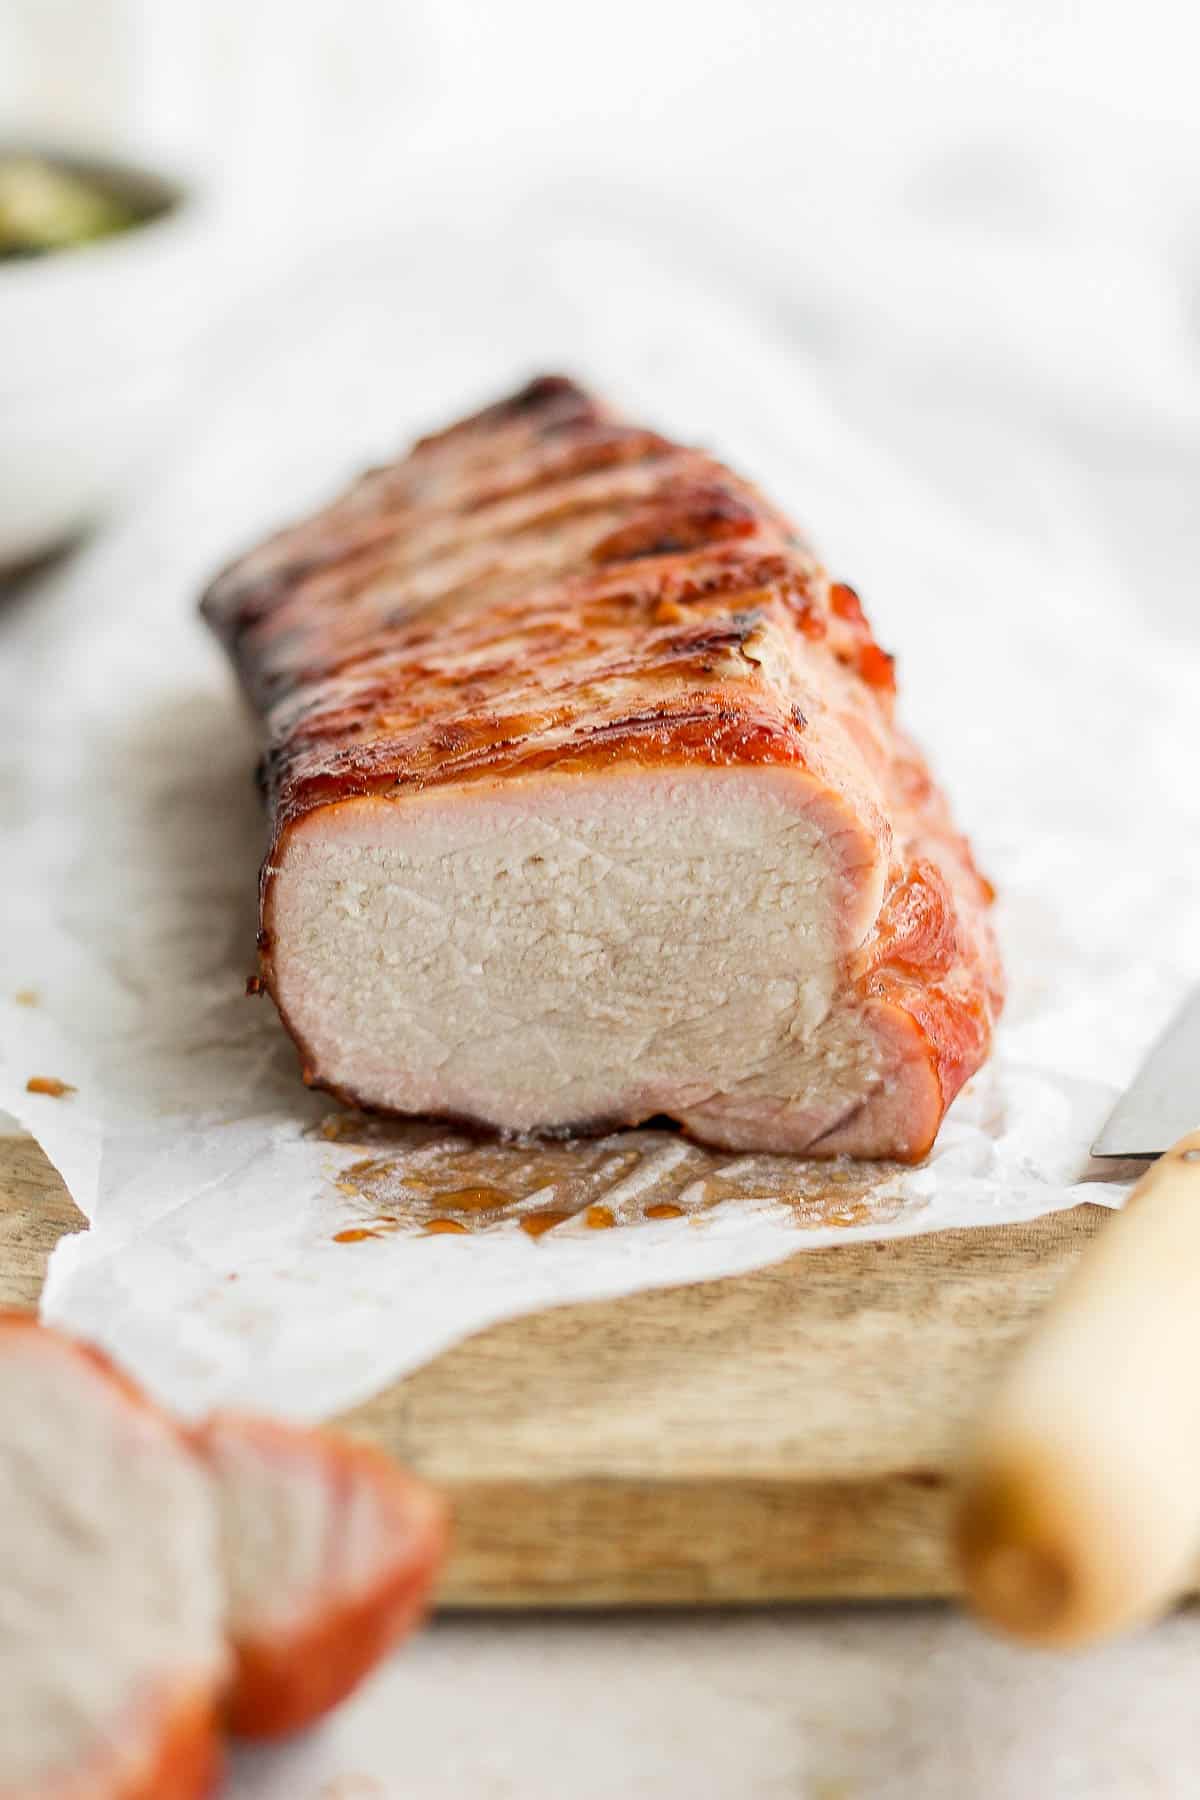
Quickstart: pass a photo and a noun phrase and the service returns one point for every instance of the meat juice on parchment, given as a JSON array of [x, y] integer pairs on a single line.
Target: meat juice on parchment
[[419, 1177]]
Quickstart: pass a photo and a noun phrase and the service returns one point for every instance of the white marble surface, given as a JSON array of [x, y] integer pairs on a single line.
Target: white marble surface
[[866, 1704], [977, 233]]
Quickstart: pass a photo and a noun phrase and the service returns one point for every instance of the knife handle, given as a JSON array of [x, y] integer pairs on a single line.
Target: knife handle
[[1079, 1511]]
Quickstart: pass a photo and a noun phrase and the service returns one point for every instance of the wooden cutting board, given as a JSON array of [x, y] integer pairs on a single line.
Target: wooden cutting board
[[789, 1435]]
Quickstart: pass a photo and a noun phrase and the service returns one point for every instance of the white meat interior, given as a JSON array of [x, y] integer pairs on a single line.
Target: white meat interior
[[559, 950], [110, 1598], [290, 1535]]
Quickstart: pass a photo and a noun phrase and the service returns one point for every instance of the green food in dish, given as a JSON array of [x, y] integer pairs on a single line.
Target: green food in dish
[[46, 206]]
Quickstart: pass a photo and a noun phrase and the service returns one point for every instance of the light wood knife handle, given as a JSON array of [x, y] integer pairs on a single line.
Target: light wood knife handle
[[1079, 1514]]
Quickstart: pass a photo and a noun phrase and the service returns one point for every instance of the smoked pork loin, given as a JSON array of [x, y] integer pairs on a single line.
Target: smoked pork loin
[[112, 1610], [588, 803], [160, 1584]]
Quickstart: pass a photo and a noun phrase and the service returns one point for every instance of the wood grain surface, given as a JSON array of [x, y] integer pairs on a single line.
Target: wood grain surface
[[788, 1435]]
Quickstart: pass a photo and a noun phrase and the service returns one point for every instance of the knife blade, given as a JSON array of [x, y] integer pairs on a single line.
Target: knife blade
[[1162, 1103]]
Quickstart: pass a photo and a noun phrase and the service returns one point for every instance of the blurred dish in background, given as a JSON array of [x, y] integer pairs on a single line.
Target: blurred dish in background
[[101, 296], [51, 203]]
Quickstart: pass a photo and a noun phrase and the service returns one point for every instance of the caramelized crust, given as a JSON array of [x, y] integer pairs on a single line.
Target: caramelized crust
[[544, 587]]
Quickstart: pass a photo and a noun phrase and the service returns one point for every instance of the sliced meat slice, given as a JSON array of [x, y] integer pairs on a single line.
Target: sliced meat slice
[[111, 1606], [330, 1553], [589, 804]]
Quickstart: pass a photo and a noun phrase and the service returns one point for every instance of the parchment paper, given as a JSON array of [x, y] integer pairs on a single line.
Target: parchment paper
[[250, 1244]]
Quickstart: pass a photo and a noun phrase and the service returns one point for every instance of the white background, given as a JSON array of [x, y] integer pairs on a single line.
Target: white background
[[978, 226]]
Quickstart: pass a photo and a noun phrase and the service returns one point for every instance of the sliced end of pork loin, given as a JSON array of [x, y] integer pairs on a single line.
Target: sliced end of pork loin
[[589, 803], [111, 1607], [330, 1553], [586, 949]]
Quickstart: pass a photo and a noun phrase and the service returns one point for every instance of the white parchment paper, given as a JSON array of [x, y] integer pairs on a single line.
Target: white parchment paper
[[219, 1193]]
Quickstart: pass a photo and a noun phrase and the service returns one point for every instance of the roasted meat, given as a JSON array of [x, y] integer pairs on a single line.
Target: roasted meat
[[589, 804], [329, 1553], [160, 1584], [111, 1604]]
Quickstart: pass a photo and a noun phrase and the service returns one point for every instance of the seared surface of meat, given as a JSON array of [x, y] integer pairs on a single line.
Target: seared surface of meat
[[589, 804]]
